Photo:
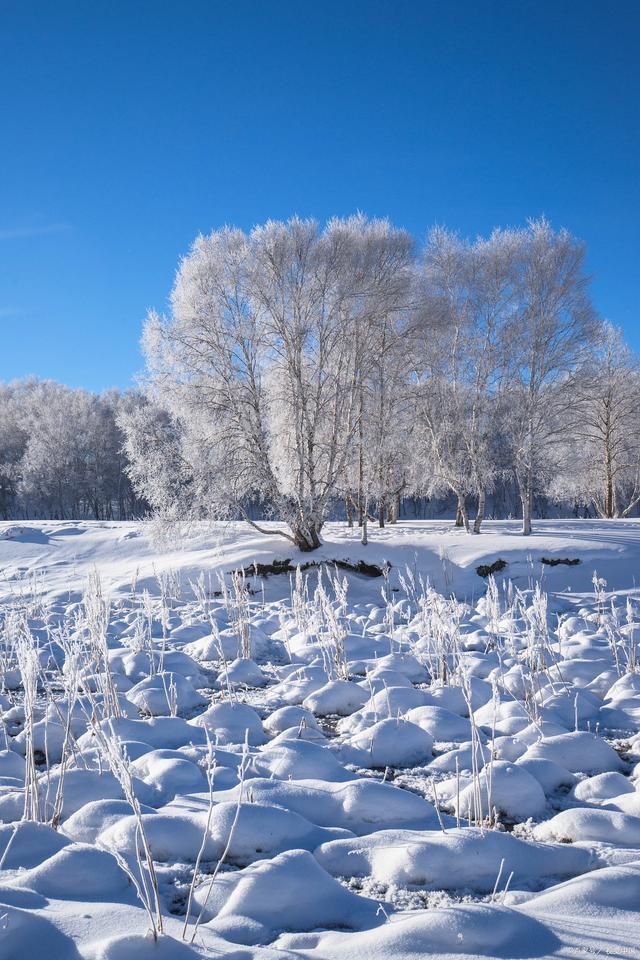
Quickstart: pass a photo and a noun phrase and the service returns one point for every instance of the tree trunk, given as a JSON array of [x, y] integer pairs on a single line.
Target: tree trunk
[[527, 506], [609, 500], [348, 506], [477, 523], [361, 507], [381, 512], [395, 508], [462, 517], [306, 540]]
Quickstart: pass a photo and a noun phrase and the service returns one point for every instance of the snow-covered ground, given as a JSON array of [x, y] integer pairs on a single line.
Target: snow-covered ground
[[64, 553], [427, 763]]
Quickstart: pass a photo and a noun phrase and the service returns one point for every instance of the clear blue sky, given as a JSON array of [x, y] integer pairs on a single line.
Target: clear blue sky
[[127, 127]]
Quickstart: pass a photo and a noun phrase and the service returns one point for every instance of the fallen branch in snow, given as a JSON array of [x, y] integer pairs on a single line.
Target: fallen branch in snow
[[286, 566], [556, 561]]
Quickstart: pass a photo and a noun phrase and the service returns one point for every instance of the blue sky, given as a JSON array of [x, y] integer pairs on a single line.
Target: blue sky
[[127, 127]]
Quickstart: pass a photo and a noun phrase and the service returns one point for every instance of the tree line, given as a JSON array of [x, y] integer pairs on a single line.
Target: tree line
[[62, 453], [300, 367]]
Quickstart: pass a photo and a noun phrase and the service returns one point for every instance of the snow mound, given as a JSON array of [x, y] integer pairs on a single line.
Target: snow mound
[[627, 803], [507, 718], [577, 752], [336, 698], [604, 786], [298, 760], [80, 787], [457, 859], [361, 806], [205, 649], [158, 732], [168, 772], [506, 787], [28, 844], [289, 892], [242, 672], [441, 724], [231, 723], [135, 946], [389, 743], [550, 775], [11, 764], [608, 890], [252, 830], [476, 930], [600, 825], [86, 823], [391, 702], [165, 694], [77, 868], [287, 717], [24, 934]]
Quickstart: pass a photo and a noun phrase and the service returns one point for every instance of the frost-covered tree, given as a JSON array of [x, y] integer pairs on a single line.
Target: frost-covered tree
[[13, 442], [470, 292], [382, 326], [61, 453], [53, 469], [257, 368], [547, 340], [602, 446]]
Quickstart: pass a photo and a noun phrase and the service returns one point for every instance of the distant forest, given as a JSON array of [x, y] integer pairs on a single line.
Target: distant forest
[[61, 453]]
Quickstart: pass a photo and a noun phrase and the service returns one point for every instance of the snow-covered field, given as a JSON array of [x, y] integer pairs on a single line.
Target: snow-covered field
[[426, 763]]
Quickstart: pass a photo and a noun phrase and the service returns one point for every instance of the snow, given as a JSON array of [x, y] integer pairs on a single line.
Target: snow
[[452, 775], [576, 751], [28, 844], [420, 859], [285, 718], [242, 672], [506, 787], [609, 890], [461, 931], [125, 551], [550, 775], [137, 947], [441, 724], [261, 830], [338, 697], [358, 805], [80, 787], [581, 823], [604, 786], [96, 816], [163, 692], [290, 891], [392, 743], [295, 758], [76, 867], [231, 723]]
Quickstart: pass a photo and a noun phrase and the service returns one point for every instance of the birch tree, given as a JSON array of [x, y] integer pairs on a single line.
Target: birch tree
[[470, 290], [603, 449], [547, 340], [13, 442], [257, 367]]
